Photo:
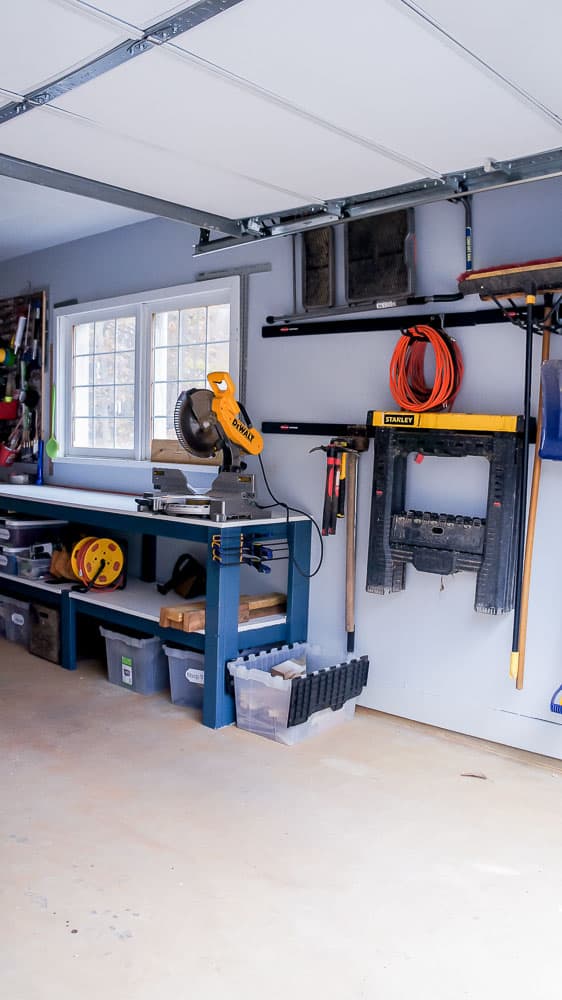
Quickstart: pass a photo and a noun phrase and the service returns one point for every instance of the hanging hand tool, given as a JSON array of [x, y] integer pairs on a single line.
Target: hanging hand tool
[[336, 492], [343, 485], [334, 495], [352, 459], [510, 282], [530, 299], [340, 500], [533, 504], [26, 454], [329, 492]]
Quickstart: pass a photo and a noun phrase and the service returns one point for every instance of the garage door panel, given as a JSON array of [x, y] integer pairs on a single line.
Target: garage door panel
[[377, 69], [174, 103], [78, 147], [521, 41], [142, 13], [41, 39]]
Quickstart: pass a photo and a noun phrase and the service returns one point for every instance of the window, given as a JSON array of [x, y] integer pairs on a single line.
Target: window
[[103, 384], [121, 364], [186, 344]]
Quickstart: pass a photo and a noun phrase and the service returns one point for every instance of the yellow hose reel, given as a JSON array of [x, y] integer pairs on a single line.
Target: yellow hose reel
[[98, 562]]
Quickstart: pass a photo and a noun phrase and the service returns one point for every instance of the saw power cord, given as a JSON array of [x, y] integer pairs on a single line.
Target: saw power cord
[[407, 374], [295, 510]]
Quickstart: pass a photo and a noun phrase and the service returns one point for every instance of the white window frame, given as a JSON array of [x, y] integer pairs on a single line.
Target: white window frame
[[142, 306]]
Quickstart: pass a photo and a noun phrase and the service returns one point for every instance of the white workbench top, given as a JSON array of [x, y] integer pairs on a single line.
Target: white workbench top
[[118, 503]]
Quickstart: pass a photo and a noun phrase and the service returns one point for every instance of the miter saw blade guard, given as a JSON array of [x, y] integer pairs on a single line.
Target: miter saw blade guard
[[209, 422], [195, 424]]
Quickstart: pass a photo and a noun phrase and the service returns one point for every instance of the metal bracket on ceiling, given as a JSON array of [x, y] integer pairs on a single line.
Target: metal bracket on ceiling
[[493, 174], [36, 173], [157, 34]]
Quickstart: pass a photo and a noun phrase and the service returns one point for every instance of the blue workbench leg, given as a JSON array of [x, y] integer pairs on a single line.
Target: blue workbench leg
[[68, 631], [221, 637], [299, 538]]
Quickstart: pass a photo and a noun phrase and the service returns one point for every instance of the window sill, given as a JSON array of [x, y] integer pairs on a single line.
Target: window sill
[[132, 463]]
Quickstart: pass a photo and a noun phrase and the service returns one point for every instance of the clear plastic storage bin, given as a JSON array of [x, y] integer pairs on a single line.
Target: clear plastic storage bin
[[262, 701], [267, 659], [16, 617], [262, 707], [187, 676], [33, 569], [22, 530], [9, 558], [136, 664]]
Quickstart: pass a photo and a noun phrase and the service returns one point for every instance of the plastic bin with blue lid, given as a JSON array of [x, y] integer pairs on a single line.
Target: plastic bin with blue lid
[[187, 676], [137, 664]]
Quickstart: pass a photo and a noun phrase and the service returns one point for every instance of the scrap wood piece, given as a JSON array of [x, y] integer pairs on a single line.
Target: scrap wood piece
[[164, 450], [256, 602], [190, 616]]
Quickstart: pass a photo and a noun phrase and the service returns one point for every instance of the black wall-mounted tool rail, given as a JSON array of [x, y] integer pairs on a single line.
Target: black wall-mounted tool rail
[[314, 429], [290, 428], [382, 324]]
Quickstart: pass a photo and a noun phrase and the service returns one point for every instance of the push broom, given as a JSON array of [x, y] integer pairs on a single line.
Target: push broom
[[510, 282]]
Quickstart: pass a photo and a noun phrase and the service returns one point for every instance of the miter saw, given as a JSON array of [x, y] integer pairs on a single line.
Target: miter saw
[[210, 422]]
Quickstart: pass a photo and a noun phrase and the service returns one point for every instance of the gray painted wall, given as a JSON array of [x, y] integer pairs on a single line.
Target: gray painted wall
[[433, 658]]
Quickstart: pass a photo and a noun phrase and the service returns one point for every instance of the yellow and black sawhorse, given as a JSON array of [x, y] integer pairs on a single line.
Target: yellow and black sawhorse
[[442, 543]]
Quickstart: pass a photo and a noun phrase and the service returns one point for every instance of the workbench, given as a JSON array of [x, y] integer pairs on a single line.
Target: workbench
[[138, 605]]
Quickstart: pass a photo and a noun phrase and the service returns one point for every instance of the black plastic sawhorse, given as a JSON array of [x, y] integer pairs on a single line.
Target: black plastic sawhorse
[[441, 543]]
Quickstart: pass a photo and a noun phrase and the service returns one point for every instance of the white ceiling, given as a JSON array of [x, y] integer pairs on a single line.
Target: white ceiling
[[41, 39], [141, 13], [34, 217], [279, 103]]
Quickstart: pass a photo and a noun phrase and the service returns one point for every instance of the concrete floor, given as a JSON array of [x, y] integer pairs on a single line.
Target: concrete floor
[[145, 857]]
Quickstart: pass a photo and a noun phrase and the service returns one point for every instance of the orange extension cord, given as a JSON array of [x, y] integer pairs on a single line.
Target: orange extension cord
[[407, 376]]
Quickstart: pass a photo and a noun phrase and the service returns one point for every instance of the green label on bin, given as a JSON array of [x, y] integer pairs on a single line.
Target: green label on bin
[[127, 670]]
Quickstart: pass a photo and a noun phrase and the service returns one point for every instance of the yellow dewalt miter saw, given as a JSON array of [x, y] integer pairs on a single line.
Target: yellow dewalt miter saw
[[210, 423]]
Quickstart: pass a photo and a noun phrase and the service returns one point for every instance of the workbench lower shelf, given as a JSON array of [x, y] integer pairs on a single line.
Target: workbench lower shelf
[[142, 600], [137, 607]]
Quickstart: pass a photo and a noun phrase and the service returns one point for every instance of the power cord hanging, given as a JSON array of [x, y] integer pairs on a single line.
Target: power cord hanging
[[407, 375], [295, 510]]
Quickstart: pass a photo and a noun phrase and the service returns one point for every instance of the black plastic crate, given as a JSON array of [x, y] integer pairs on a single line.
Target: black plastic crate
[[329, 688]]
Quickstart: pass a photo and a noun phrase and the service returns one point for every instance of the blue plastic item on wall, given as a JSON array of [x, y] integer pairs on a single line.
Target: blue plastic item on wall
[[551, 430], [40, 453], [556, 701]]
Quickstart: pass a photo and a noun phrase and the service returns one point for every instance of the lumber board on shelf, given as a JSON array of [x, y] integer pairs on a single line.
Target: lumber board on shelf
[[191, 616]]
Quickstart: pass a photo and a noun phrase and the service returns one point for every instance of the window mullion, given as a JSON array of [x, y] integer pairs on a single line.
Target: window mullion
[[143, 383]]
